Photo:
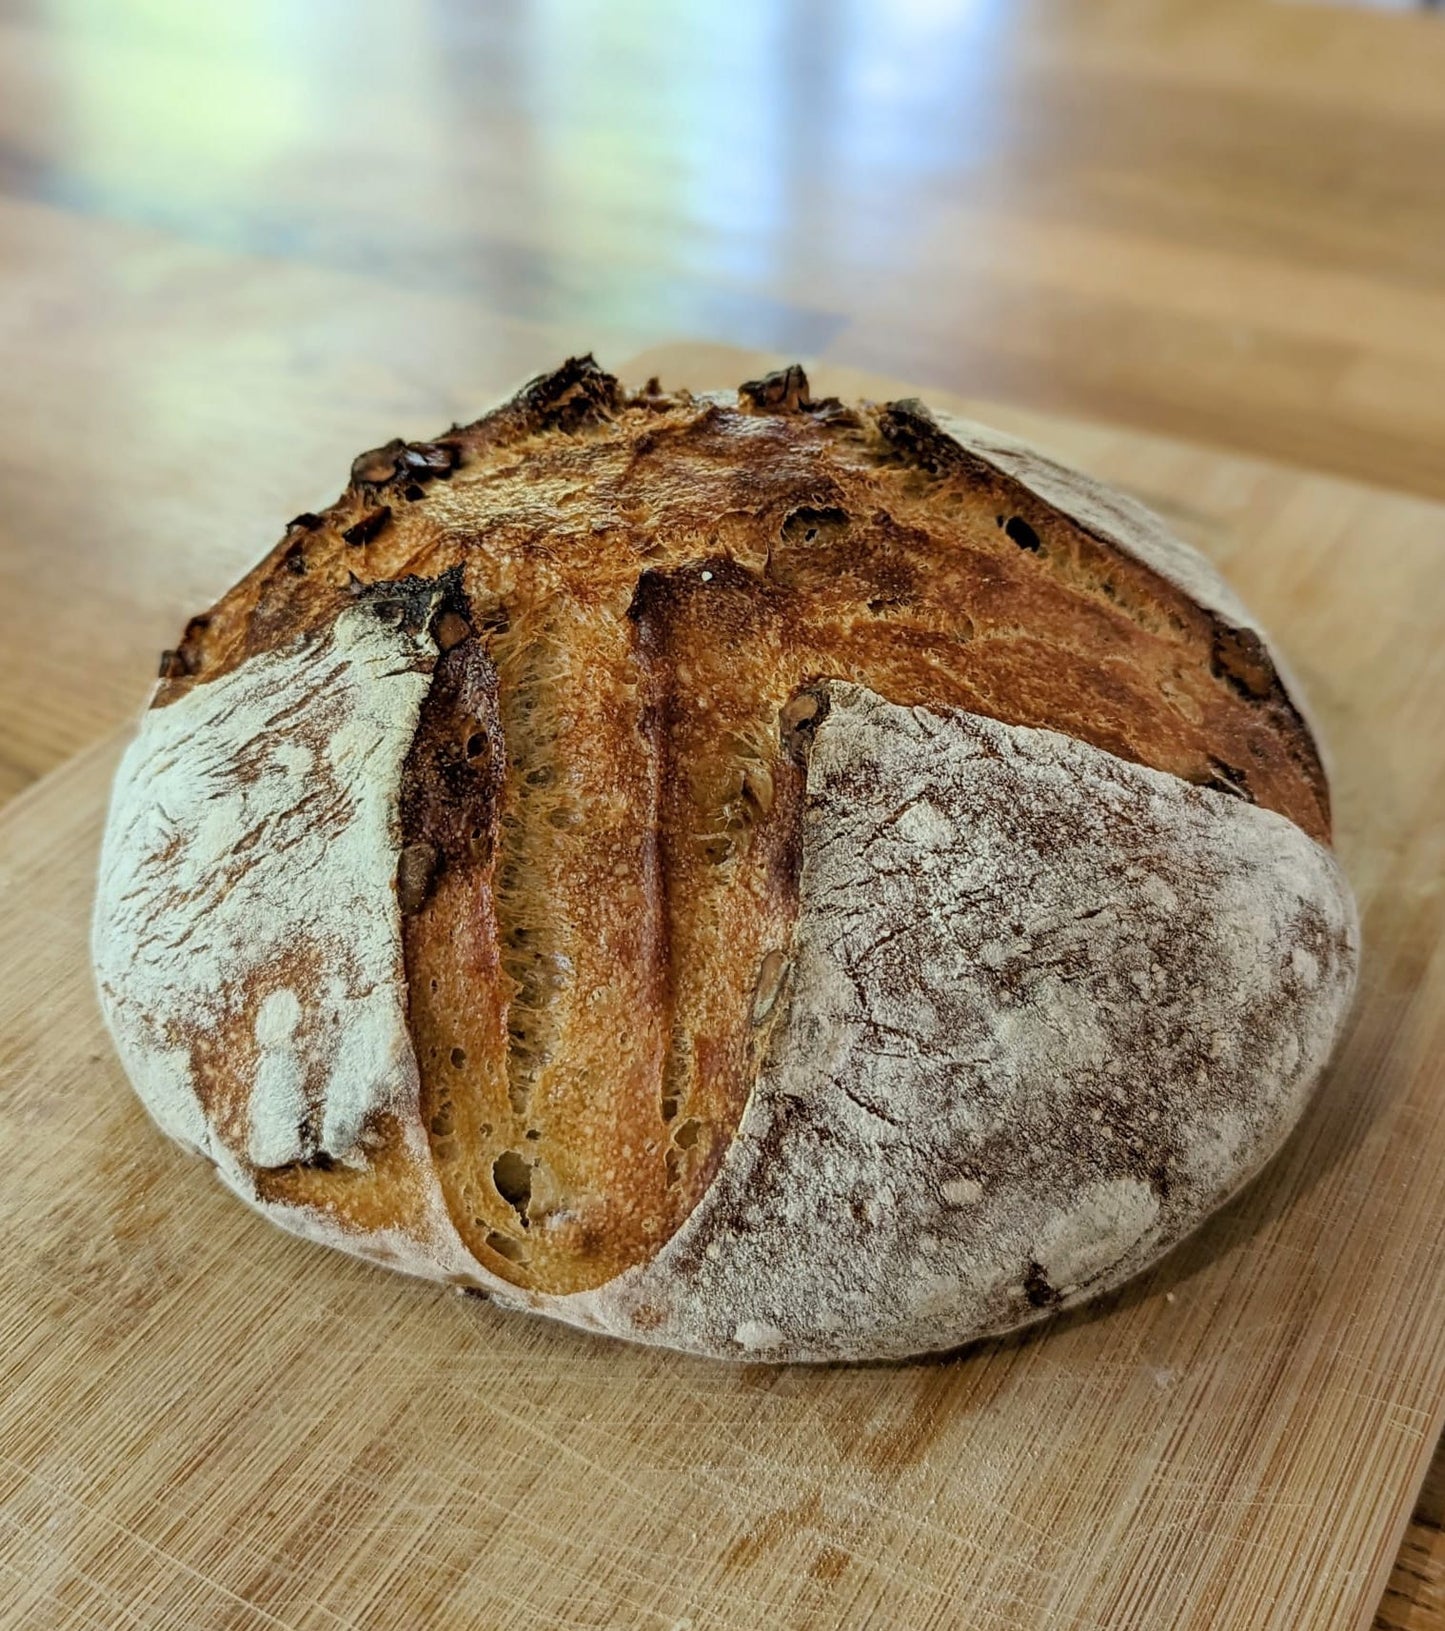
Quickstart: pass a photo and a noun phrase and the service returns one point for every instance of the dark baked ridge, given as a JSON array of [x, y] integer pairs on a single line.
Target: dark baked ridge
[[630, 594]]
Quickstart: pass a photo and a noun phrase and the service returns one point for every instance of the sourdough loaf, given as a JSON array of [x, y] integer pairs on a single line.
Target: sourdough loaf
[[768, 876]]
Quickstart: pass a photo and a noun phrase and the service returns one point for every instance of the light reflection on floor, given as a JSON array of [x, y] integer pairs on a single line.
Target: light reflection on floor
[[512, 150]]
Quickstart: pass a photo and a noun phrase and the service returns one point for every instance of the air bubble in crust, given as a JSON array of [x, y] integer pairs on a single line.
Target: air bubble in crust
[[807, 525], [512, 1174], [515, 1251], [1023, 534], [685, 1140]]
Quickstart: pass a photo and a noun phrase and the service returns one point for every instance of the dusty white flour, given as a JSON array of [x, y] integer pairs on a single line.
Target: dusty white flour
[[247, 880]]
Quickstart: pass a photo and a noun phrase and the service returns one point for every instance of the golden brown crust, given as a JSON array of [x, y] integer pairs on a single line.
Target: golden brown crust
[[599, 847]]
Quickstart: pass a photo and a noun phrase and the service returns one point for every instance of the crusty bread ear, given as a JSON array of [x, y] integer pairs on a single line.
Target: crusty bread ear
[[454, 890]]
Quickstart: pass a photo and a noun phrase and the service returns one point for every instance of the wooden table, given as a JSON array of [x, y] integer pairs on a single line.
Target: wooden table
[[237, 244]]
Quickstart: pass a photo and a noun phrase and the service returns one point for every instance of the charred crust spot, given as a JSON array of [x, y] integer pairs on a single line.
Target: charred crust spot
[[1038, 1290], [645, 596], [786, 390], [911, 410], [450, 597], [1022, 534], [370, 526], [783, 391], [307, 521], [650, 594], [914, 435], [576, 394], [421, 605], [1239, 659], [182, 661]]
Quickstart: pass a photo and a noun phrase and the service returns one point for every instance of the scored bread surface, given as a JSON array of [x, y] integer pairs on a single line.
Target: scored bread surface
[[483, 859], [1017, 1055]]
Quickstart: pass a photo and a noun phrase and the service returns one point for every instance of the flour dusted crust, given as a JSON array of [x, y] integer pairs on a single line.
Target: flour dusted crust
[[1019, 1056], [247, 915], [755, 874]]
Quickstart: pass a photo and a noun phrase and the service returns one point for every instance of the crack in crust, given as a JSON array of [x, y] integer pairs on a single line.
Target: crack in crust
[[633, 607]]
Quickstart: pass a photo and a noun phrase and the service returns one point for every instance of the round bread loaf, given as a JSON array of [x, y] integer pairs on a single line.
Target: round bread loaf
[[781, 879]]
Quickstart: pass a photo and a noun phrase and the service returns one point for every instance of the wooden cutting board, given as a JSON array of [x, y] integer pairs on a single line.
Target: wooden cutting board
[[205, 1423]]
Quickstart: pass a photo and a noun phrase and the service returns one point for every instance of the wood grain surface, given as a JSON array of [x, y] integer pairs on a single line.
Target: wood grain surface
[[239, 243], [1415, 1598], [206, 1423]]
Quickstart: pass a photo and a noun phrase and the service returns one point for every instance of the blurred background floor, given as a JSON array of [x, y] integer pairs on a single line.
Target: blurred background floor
[[239, 243]]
